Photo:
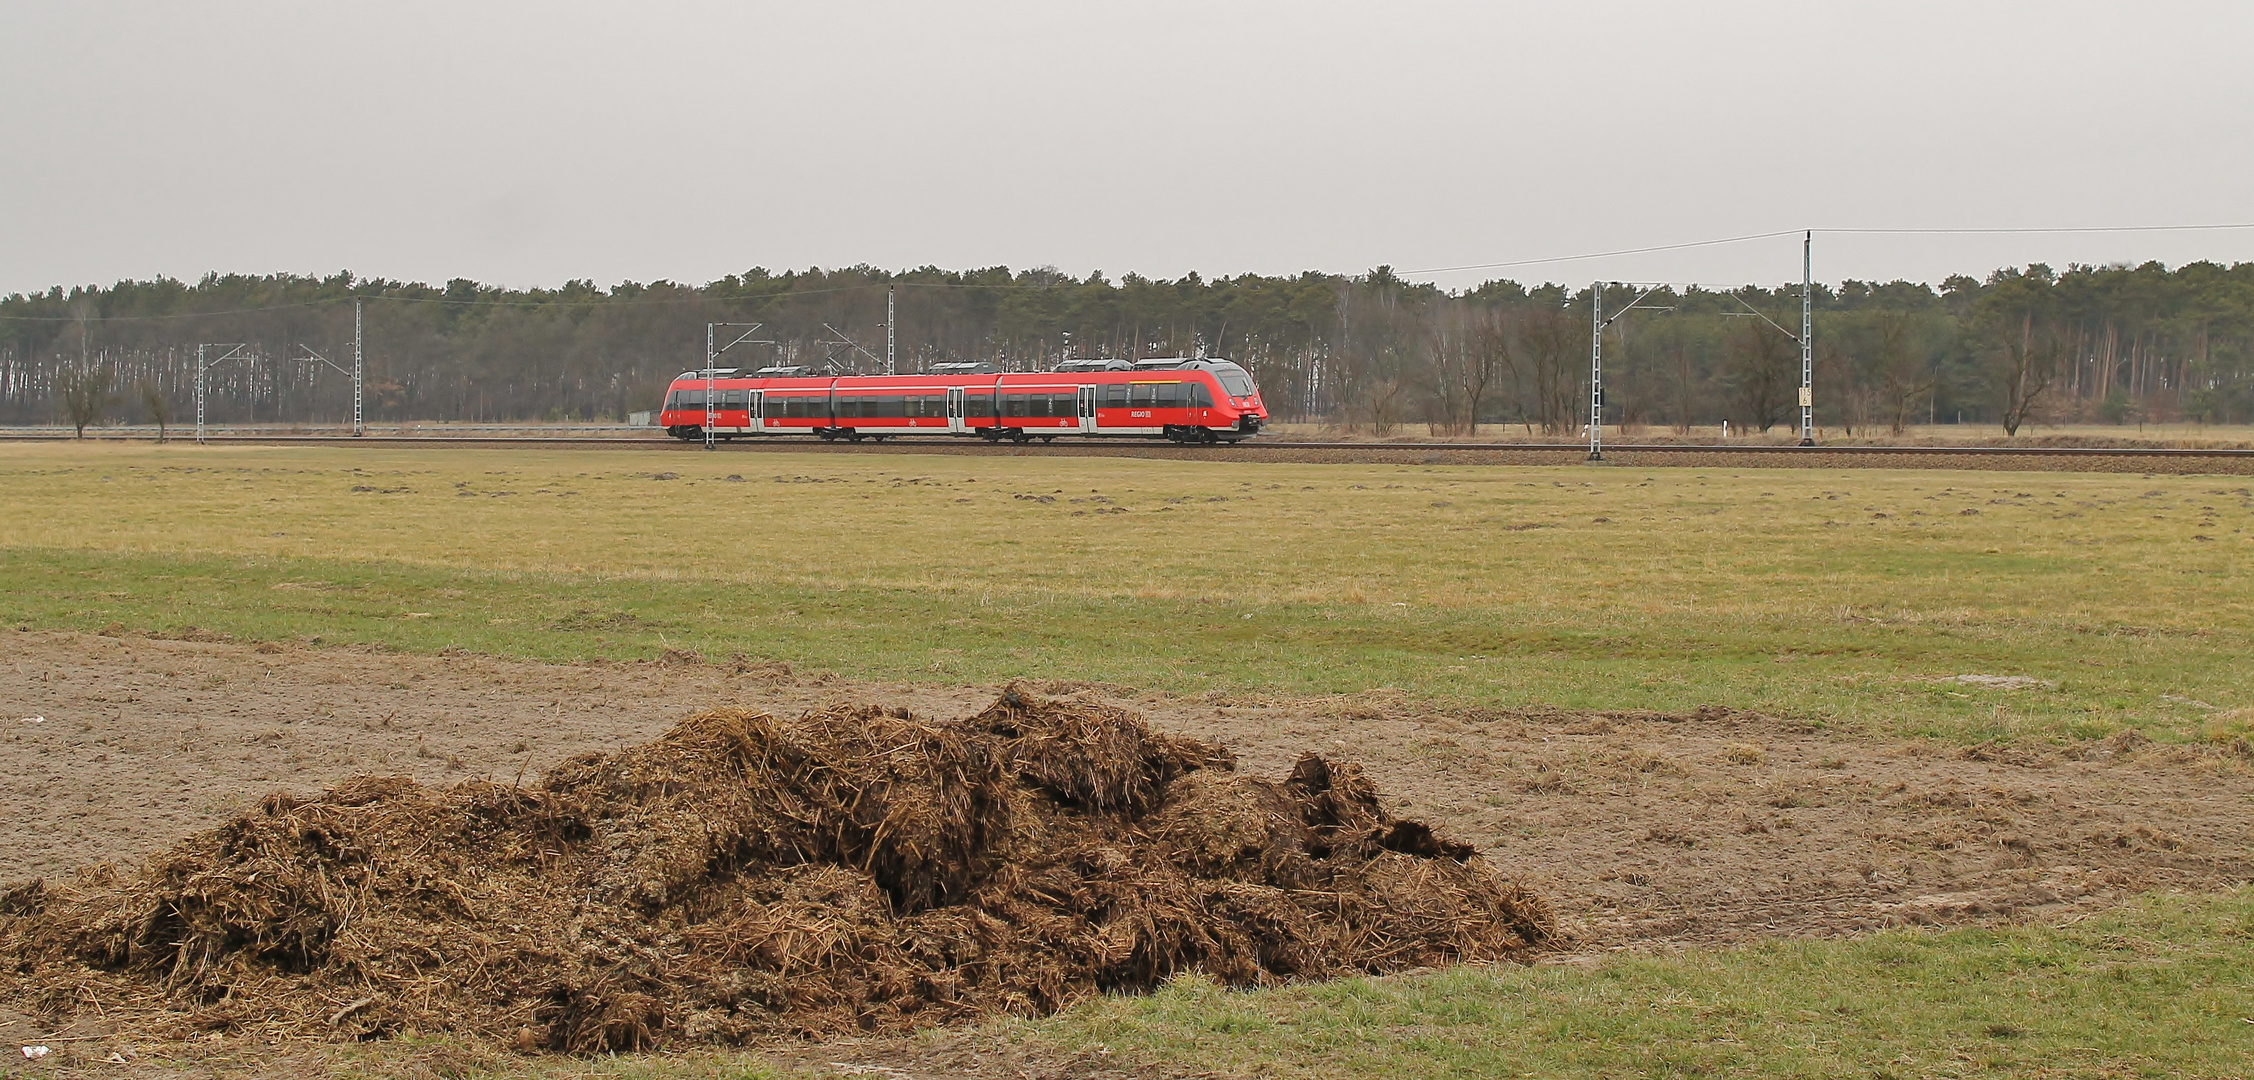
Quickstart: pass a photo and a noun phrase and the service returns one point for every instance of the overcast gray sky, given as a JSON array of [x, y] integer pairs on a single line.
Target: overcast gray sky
[[528, 144]]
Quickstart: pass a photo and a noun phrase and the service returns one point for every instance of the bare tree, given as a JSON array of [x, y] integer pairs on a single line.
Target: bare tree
[[1847, 373], [1489, 362], [1553, 342], [158, 406], [1905, 375], [1443, 378], [1469, 355], [1682, 373], [2024, 370], [84, 393], [1761, 373], [1383, 340]]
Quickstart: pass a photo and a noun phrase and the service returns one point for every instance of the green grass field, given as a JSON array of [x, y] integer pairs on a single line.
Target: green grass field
[[2159, 990], [1840, 597]]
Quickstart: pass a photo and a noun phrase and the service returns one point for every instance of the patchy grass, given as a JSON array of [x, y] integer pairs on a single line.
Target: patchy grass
[[2159, 989], [1840, 597]]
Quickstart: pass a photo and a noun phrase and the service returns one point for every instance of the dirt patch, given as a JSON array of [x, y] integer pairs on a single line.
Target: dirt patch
[[143, 742], [744, 878], [1727, 826], [1640, 828]]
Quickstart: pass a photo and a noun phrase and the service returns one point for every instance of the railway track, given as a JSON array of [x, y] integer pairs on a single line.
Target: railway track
[[2066, 458]]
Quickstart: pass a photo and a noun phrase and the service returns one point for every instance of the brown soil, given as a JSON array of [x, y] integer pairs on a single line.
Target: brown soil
[[1639, 828]]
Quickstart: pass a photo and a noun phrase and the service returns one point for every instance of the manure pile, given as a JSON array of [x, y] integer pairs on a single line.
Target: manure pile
[[743, 878]]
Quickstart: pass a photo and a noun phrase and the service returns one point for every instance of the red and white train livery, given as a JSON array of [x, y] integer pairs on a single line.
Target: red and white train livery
[[1185, 400]]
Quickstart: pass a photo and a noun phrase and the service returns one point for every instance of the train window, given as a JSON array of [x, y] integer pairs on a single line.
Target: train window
[[801, 407], [1114, 396], [1143, 395], [1169, 395], [978, 404], [892, 405], [1233, 379], [1013, 404], [1201, 395]]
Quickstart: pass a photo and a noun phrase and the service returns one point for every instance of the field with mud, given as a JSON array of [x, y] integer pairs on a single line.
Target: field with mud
[[1911, 784]]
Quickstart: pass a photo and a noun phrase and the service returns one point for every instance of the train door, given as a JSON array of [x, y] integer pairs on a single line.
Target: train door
[[752, 414], [1088, 410], [955, 422]]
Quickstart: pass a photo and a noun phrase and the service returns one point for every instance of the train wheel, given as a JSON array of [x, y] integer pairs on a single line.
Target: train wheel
[[1018, 435], [1207, 436], [1048, 438], [852, 436]]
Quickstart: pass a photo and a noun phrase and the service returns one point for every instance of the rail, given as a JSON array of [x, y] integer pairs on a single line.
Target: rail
[[1645, 453]]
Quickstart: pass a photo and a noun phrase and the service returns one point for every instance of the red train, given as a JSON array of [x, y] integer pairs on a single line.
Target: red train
[[1185, 400]]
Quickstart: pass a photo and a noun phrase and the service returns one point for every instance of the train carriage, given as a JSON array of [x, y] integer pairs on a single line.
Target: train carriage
[[1181, 399]]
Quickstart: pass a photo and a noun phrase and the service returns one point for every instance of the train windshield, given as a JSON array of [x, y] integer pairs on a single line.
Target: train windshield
[[1234, 380]]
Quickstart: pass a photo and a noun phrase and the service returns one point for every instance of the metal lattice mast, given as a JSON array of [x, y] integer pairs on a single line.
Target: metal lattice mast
[[891, 364], [1597, 323], [1596, 372], [711, 415], [358, 365], [234, 352], [1808, 338]]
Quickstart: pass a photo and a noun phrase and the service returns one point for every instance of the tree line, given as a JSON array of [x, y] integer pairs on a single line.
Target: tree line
[[1372, 352]]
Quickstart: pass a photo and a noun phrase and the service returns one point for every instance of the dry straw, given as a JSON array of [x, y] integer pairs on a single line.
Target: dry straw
[[744, 878]]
